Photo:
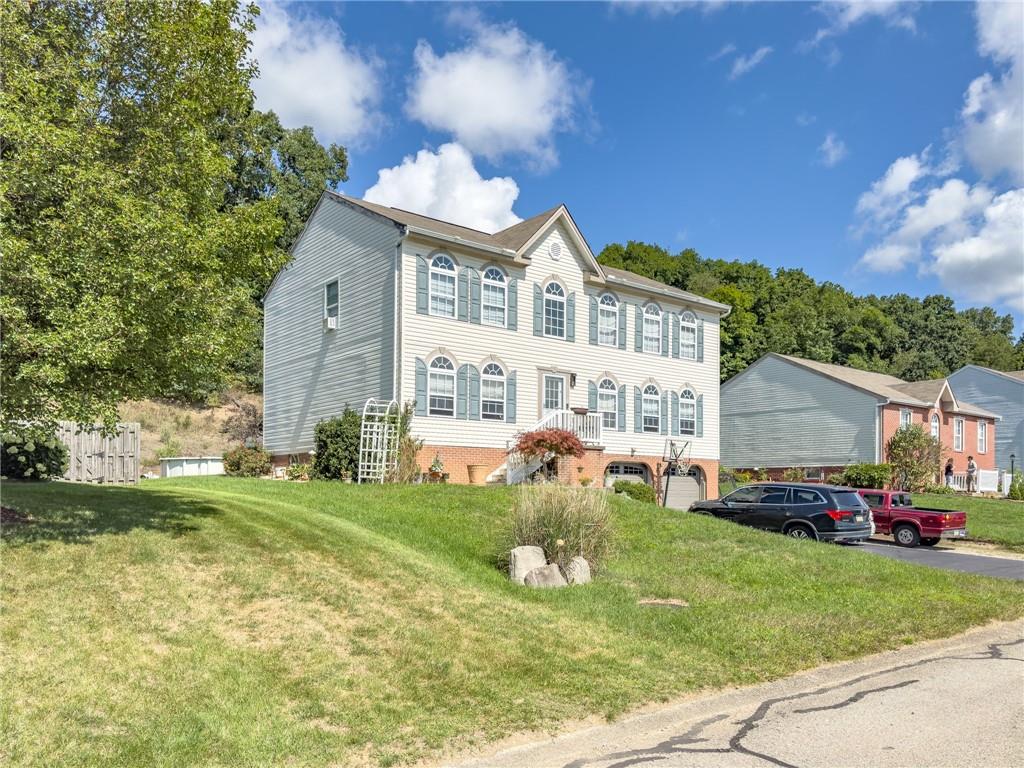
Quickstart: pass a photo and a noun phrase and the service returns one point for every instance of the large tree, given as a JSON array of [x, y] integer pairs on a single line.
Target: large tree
[[128, 262]]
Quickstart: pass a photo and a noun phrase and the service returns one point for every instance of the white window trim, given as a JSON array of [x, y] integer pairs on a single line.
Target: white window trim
[[565, 310], [936, 426], [684, 322], [455, 386], [644, 397], [906, 417], [958, 422], [454, 274], [615, 311], [615, 395], [982, 436], [692, 400], [503, 284], [337, 304], [650, 315], [503, 378]]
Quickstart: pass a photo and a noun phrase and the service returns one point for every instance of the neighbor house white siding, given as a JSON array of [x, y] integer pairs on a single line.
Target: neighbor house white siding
[[1001, 394], [527, 355], [779, 414], [312, 374]]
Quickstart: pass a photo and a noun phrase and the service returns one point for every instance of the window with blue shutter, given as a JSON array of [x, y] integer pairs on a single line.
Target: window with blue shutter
[[638, 331], [592, 397], [462, 393], [700, 416], [675, 335], [638, 411], [570, 317], [622, 409], [464, 294], [474, 296], [664, 413], [593, 320], [622, 327], [674, 419], [700, 341], [664, 333], [473, 376]]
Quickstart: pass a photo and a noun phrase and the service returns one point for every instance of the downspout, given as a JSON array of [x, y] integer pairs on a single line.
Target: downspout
[[879, 432], [396, 368]]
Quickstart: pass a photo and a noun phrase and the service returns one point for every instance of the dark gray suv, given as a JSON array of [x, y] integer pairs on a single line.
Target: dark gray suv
[[803, 511]]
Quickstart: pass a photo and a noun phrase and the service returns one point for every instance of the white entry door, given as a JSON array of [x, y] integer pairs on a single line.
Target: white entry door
[[553, 394]]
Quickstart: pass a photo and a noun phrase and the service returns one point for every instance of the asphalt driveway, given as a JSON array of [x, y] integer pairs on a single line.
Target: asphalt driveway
[[1000, 567]]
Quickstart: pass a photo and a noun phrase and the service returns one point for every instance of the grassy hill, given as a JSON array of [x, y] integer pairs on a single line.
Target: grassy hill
[[216, 621]]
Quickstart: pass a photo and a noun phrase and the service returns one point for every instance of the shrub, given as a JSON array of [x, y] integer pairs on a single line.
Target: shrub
[[1016, 491], [564, 522], [914, 455], [638, 491], [742, 478], [867, 475], [557, 442], [336, 444], [407, 467], [168, 449], [297, 472], [245, 424], [32, 454], [836, 478], [943, 489], [793, 475], [246, 462]]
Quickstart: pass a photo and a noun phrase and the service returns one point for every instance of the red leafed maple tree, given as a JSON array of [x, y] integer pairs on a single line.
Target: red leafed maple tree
[[542, 442]]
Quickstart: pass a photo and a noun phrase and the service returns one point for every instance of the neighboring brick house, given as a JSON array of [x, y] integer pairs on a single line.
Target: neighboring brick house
[[490, 335], [1002, 393], [784, 412]]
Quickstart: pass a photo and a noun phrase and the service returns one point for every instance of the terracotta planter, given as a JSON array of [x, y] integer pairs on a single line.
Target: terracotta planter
[[477, 474]]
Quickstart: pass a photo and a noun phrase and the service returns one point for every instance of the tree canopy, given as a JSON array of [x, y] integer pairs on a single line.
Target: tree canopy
[[787, 311]]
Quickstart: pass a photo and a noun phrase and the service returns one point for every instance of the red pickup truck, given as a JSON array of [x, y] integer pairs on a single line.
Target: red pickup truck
[[894, 512]]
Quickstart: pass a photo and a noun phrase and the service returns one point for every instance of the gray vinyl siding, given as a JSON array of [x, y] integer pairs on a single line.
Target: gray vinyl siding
[[311, 374], [1002, 395], [777, 414]]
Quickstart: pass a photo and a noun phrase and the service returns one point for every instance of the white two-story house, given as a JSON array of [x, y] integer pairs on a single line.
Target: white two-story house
[[490, 335]]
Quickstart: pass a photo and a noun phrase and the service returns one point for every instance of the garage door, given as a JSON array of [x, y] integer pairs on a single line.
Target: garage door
[[682, 491]]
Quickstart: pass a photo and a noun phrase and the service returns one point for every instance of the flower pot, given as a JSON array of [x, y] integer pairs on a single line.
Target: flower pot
[[580, 411], [477, 474]]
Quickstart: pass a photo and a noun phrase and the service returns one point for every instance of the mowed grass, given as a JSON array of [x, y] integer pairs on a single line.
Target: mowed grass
[[222, 622], [999, 521]]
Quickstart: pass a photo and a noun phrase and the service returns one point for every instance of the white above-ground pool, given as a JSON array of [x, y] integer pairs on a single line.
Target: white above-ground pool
[[191, 466]]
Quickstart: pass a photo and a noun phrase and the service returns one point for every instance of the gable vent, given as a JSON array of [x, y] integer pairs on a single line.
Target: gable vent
[[556, 251]]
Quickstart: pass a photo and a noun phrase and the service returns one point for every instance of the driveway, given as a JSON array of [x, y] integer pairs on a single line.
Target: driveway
[[954, 702], [1000, 567]]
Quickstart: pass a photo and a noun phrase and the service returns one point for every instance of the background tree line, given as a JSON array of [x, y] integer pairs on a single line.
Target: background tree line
[[787, 311]]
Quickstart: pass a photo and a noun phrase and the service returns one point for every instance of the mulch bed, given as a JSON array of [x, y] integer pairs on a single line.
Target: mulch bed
[[11, 516]]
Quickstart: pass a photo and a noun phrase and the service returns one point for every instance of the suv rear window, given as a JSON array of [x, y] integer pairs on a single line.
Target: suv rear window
[[804, 496], [848, 499]]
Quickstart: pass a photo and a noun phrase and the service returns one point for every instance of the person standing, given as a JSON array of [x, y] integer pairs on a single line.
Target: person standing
[[949, 473], [972, 475]]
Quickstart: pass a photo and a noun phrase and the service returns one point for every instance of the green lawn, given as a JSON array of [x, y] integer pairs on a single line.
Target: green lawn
[[998, 521], [221, 622]]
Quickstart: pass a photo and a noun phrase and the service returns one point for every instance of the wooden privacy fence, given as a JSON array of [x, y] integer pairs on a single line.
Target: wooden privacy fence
[[95, 457]]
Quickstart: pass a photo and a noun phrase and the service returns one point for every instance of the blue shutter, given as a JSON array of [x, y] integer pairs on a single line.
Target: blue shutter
[[538, 311], [675, 335], [700, 416], [622, 409], [474, 296], [464, 294], [422, 280], [474, 393], [570, 317], [593, 320], [638, 419], [462, 392], [664, 334], [622, 326], [700, 341], [513, 304], [663, 421], [674, 424], [639, 330], [421, 388], [510, 398], [592, 396]]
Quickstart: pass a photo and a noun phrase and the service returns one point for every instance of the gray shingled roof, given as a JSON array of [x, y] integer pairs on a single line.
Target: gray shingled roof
[[624, 276]]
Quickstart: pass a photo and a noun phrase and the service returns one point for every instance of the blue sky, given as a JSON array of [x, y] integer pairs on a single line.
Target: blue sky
[[877, 145]]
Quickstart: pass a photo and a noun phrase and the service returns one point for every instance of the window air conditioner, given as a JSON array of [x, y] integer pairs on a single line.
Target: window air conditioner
[[330, 323]]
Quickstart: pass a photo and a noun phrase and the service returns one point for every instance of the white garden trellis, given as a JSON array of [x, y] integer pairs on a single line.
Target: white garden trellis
[[378, 440]]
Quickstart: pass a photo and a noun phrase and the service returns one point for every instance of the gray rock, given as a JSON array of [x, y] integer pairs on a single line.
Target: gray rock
[[545, 577], [523, 560], [578, 571]]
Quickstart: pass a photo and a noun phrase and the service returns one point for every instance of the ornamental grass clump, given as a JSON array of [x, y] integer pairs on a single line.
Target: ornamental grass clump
[[564, 522]]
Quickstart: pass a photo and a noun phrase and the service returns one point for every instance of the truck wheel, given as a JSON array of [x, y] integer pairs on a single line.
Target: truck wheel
[[929, 542], [800, 532], [906, 536]]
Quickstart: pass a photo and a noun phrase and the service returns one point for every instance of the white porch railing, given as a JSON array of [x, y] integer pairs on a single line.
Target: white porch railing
[[987, 481], [586, 426]]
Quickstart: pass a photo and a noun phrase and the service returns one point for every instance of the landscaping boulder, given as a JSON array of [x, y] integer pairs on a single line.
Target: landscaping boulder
[[523, 560], [546, 576], [578, 571]]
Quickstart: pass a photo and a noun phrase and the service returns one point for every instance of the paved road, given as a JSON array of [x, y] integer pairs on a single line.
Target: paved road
[[1001, 567], [957, 702]]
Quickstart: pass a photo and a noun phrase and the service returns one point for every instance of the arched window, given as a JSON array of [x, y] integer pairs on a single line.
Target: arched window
[[554, 311], [442, 286], [608, 403], [687, 413], [441, 387], [935, 426], [494, 297], [608, 321], [688, 335], [652, 329], [651, 409], [492, 393]]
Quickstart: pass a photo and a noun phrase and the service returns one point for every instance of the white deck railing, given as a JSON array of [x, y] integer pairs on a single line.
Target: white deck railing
[[586, 426]]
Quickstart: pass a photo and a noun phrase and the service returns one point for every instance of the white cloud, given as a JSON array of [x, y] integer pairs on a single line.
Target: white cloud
[[503, 93], [805, 119], [889, 194], [309, 76], [446, 185], [832, 150], [840, 15], [743, 64], [725, 50], [657, 8]]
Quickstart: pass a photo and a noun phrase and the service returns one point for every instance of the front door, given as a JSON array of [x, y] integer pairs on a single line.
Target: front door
[[553, 393]]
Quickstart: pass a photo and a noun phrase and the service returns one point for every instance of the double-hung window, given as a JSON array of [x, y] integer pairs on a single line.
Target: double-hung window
[[608, 321], [441, 387], [608, 403], [331, 302], [982, 437], [687, 413], [651, 409], [554, 311], [688, 336], [442, 286], [494, 297], [906, 417], [935, 426], [652, 329], [492, 393], [958, 435]]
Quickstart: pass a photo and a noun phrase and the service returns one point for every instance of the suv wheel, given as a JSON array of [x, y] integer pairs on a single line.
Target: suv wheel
[[800, 532], [906, 536]]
